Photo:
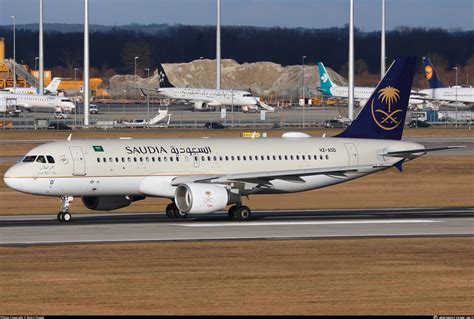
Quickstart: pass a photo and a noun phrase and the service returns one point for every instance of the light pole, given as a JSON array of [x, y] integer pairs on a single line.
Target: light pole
[[14, 52], [304, 102], [148, 97], [135, 61], [351, 61], [218, 46], [36, 64], [456, 90], [382, 43]]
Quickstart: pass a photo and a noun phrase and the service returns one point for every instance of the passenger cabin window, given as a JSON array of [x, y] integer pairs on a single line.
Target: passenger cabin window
[[29, 159]]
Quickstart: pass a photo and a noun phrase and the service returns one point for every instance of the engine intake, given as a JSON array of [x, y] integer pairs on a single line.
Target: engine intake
[[197, 198], [109, 202]]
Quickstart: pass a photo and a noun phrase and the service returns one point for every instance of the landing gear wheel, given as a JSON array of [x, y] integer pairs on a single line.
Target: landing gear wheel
[[172, 211], [66, 217], [60, 216], [242, 213], [231, 212]]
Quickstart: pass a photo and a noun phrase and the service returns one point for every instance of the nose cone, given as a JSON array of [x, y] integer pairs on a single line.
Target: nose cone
[[11, 178]]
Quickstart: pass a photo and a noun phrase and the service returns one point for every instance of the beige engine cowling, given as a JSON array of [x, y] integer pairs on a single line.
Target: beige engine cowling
[[195, 198]]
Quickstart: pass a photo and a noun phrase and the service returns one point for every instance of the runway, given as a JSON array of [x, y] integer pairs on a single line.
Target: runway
[[297, 224]]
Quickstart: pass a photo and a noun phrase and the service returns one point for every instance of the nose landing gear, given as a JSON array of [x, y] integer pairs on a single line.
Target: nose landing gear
[[64, 215]]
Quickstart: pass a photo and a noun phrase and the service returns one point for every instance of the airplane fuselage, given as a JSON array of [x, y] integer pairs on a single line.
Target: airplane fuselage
[[32, 101], [147, 167], [210, 97], [451, 94]]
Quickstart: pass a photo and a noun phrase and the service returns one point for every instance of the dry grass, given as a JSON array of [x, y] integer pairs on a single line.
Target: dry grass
[[426, 182], [365, 276]]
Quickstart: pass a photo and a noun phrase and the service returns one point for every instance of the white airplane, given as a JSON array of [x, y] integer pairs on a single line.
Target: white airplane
[[205, 99], [153, 122], [29, 102], [204, 175], [51, 89], [440, 92], [361, 93]]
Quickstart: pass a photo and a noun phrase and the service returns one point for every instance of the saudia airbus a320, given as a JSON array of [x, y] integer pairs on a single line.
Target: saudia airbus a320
[[203, 175]]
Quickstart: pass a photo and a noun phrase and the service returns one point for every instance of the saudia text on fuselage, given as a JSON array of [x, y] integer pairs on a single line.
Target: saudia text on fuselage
[[132, 150]]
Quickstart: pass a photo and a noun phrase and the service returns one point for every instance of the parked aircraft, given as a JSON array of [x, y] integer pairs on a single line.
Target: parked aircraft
[[440, 92], [205, 99], [204, 175], [361, 93], [30, 102], [51, 89]]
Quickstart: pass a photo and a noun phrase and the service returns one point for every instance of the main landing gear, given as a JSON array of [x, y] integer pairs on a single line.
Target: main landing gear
[[64, 215], [238, 212], [172, 211]]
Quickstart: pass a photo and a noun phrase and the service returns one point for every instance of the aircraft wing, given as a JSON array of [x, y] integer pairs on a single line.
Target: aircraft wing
[[294, 175]]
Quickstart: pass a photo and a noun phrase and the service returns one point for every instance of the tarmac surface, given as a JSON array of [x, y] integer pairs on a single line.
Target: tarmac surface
[[308, 224]]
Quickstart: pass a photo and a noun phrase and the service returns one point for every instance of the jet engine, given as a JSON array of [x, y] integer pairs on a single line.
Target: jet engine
[[108, 202], [200, 106], [198, 198]]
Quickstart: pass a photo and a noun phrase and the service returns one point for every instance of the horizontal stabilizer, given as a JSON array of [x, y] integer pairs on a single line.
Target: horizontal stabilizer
[[409, 153]]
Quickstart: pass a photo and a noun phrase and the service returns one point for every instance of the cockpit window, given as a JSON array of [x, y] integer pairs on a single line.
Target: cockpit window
[[29, 159], [41, 159], [50, 159]]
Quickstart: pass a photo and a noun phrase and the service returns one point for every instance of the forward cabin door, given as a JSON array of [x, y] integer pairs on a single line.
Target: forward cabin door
[[352, 155], [78, 160]]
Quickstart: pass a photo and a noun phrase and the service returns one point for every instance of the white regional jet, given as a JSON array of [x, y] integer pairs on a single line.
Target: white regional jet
[[205, 99], [29, 102], [361, 93], [203, 175], [51, 89]]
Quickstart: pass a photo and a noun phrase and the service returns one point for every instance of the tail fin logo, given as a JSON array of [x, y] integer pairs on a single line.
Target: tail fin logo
[[324, 77], [384, 111], [428, 72]]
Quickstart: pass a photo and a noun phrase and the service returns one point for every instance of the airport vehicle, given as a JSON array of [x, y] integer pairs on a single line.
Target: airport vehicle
[[206, 99], [418, 123], [334, 124], [205, 175], [93, 109], [58, 126], [61, 115], [51, 89], [361, 93], [153, 122], [213, 125], [29, 102], [440, 92]]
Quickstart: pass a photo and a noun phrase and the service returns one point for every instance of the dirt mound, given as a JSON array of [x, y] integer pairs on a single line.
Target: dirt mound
[[261, 78]]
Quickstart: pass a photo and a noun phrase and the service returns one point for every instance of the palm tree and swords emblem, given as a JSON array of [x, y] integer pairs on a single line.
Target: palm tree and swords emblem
[[387, 119]]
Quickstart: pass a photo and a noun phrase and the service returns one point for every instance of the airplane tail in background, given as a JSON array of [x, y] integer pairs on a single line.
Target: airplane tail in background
[[324, 80], [53, 85], [383, 116], [164, 82], [431, 75]]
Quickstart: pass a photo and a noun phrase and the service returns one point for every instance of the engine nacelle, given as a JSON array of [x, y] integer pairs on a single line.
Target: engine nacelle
[[200, 106], [198, 198], [108, 202]]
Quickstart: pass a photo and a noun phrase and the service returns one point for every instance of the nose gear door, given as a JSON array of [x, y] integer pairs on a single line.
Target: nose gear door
[[78, 160]]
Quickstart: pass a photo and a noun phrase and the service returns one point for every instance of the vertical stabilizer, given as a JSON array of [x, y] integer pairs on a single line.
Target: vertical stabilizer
[[383, 116], [164, 82], [431, 76], [324, 80]]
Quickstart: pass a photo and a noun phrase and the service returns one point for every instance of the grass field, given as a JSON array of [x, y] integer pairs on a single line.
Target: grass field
[[361, 276]]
